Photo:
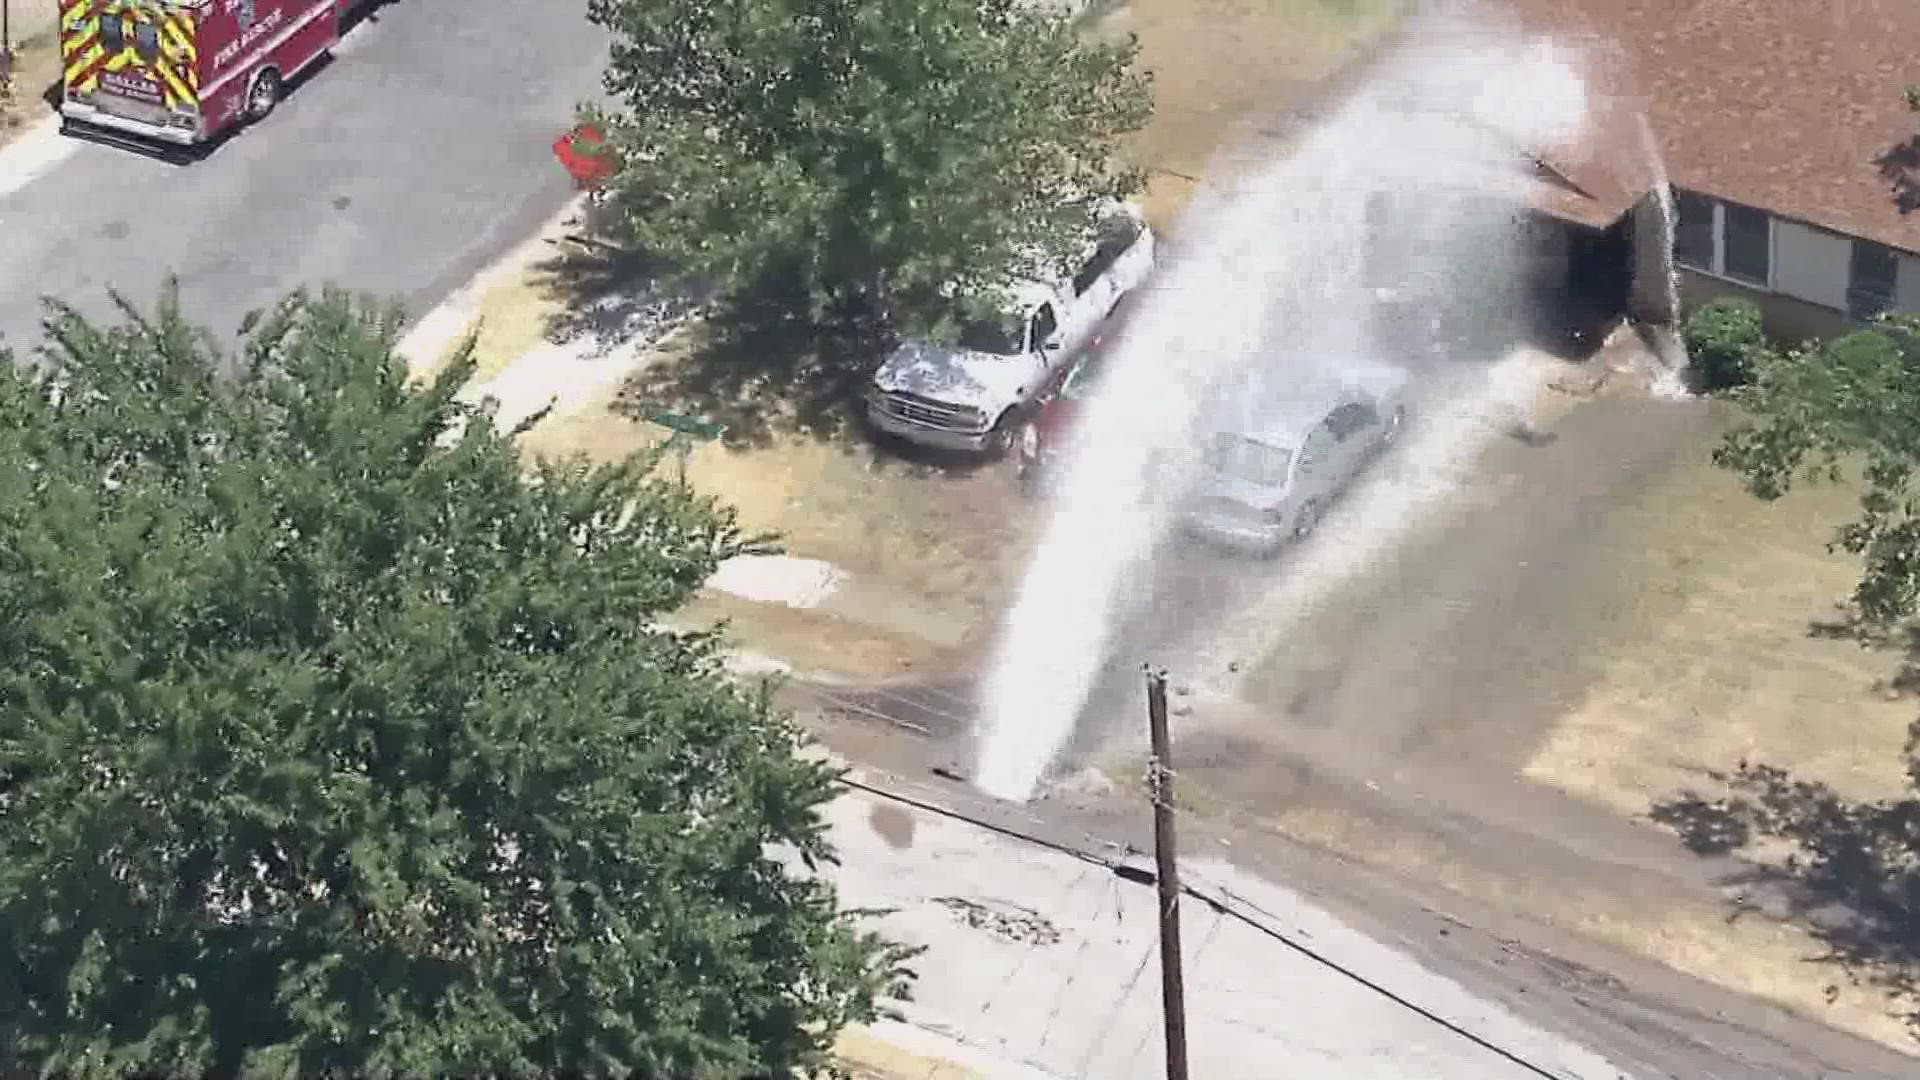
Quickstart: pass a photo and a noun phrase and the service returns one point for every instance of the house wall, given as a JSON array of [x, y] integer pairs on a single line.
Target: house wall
[[1786, 318], [1907, 299], [1811, 264], [1809, 275], [1651, 298]]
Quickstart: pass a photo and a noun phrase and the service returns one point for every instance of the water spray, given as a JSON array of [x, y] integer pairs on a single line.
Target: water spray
[[1274, 266]]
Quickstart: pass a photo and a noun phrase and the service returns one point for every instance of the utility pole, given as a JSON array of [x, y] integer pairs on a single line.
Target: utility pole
[[6, 43], [1173, 994]]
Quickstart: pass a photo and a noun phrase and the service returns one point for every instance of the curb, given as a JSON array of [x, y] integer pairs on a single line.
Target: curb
[[426, 343], [33, 153]]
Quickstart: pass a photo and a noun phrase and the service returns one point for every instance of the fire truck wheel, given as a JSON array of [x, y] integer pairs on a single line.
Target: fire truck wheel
[[265, 94]]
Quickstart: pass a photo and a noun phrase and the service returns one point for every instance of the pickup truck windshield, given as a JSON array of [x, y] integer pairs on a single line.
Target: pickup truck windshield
[[1001, 336], [1241, 458]]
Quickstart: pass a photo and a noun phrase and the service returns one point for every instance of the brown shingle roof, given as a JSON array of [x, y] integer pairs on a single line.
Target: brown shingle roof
[[1793, 106], [1612, 161]]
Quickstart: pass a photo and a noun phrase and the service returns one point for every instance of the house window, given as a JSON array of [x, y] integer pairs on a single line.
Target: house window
[[1693, 231], [1748, 238], [146, 41], [1723, 238], [1041, 328], [1872, 275]]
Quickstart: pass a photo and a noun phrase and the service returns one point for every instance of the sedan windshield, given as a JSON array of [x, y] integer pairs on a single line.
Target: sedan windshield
[[1081, 381], [1241, 458]]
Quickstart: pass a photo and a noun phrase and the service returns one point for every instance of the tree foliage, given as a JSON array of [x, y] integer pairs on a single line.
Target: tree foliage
[[880, 150], [1816, 409], [1724, 339], [330, 741]]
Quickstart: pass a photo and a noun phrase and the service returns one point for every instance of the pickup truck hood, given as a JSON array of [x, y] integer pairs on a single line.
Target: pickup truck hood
[[958, 376]]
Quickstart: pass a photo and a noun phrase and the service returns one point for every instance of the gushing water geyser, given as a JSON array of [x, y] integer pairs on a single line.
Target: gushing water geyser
[[1418, 181]]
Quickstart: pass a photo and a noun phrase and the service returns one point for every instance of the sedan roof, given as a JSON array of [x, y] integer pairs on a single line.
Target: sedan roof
[[1281, 406]]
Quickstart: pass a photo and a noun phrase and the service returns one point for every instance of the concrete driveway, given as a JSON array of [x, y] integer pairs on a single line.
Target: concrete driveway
[[416, 156]]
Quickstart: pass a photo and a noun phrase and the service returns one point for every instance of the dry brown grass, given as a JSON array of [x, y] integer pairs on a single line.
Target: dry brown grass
[[1723, 667], [513, 323], [944, 548], [949, 541], [813, 642], [868, 1057], [1757, 956], [36, 70], [1216, 63], [511, 318]]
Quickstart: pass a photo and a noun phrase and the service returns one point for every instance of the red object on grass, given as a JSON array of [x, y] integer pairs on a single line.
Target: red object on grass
[[584, 153]]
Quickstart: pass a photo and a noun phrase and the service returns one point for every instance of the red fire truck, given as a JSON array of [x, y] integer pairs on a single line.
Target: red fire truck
[[184, 72]]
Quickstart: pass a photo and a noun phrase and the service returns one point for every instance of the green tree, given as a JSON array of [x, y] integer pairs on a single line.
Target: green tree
[[874, 150], [332, 741], [1815, 409]]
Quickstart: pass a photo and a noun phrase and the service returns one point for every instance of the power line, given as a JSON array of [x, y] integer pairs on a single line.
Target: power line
[[845, 700], [1225, 903]]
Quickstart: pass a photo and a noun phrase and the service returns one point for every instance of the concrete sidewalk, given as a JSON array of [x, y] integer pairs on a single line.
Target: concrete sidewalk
[[1047, 963]]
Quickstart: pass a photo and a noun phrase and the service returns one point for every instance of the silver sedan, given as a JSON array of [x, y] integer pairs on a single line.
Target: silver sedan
[[1269, 478]]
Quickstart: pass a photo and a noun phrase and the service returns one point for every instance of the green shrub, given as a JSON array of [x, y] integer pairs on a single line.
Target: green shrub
[[1724, 339]]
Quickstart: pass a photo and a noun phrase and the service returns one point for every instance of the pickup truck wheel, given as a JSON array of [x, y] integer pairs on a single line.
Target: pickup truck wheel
[[1004, 436], [1032, 473], [266, 93], [1307, 520]]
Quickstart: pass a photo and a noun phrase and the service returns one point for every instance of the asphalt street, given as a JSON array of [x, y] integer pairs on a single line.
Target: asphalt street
[[402, 167]]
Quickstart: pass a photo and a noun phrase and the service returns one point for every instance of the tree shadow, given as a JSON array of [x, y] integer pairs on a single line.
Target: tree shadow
[[1900, 168], [1850, 874], [1851, 878], [1846, 625], [763, 364], [610, 295]]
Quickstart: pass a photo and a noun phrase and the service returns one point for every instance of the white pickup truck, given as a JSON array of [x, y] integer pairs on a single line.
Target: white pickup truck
[[974, 395]]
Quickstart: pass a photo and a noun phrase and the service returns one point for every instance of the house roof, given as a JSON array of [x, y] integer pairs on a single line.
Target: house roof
[[1590, 177], [1791, 106], [1597, 174]]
